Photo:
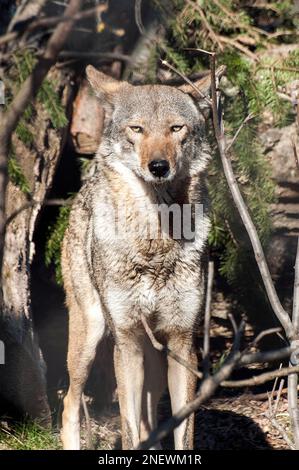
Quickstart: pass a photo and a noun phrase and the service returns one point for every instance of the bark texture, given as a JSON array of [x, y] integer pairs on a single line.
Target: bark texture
[[22, 381]]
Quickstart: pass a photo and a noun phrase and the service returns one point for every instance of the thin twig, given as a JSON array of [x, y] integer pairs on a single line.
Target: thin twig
[[293, 378], [248, 118], [207, 321], [282, 432], [89, 443], [295, 151], [160, 347], [274, 386], [277, 67], [267, 356], [261, 396], [94, 55], [278, 309], [271, 415], [214, 37], [198, 49], [241, 25], [50, 21], [20, 10], [186, 79], [138, 17], [233, 322], [260, 379], [295, 314], [245, 359], [262, 334], [277, 400], [234, 43]]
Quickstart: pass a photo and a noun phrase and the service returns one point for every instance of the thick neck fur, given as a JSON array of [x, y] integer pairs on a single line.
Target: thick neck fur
[[186, 188], [138, 200]]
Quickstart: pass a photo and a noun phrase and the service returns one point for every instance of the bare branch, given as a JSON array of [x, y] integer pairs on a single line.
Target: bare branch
[[89, 443], [260, 379], [296, 156], [207, 321], [264, 333], [267, 356], [186, 79], [295, 315], [42, 23], [94, 55], [169, 352], [250, 116], [282, 432], [276, 404], [274, 387], [237, 45], [233, 322], [8, 37], [293, 379], [275, 67], [278, 309], [271, 414], [261, 396], [138, 17]]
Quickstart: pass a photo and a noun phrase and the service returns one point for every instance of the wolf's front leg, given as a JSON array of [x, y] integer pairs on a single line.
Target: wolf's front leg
[[86, 329], [182, 386], [129, 370]]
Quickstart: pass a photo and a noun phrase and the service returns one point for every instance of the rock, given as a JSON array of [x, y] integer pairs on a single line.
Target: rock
[[279, 146]]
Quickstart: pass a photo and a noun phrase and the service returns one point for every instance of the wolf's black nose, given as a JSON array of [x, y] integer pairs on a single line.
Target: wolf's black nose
[[159, 168]]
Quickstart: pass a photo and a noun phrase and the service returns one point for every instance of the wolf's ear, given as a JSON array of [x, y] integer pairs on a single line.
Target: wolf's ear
[[204, 86], [105, 87]]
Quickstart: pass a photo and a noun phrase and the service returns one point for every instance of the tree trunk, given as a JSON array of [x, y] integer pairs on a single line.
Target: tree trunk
[[23, 378]]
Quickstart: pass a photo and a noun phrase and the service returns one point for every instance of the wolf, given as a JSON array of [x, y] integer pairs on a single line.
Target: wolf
[[154, 151]]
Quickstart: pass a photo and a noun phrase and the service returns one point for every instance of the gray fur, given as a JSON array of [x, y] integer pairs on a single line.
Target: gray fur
[[162, 279]]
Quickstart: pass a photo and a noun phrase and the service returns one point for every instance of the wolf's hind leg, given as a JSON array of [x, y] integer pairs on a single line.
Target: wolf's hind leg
[[155, 382], [85, 331], [129, 371], [182, 386]]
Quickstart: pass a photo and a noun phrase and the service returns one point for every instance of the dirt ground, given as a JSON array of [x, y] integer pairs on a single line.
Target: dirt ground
[[231, 420], [223, 423]]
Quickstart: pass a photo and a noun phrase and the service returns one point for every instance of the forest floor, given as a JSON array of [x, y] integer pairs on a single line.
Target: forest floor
[[231, 419]]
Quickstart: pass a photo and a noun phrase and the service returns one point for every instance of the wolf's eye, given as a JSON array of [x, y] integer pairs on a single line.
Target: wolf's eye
[[137, 129], [176, 128]]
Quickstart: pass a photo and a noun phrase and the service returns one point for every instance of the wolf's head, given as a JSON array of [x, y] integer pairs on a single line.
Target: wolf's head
[[157, 131]]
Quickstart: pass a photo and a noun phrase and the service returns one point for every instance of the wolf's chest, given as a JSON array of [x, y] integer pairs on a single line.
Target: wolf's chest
[[168, 300]]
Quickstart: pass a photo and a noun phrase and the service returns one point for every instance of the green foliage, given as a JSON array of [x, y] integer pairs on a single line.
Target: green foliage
[[23, 63], [47, 94], [16, 175], [28, 436], [257, 80], [24, 133], [54, 241], [85, 164]]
